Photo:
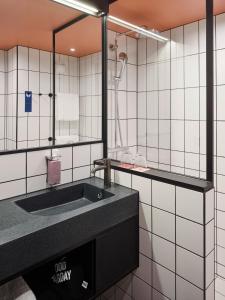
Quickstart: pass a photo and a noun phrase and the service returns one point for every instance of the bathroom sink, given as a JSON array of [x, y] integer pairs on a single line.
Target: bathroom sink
[[59, 201]]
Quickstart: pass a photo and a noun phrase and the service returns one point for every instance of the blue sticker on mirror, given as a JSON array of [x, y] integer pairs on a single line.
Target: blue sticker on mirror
[[28, 101]]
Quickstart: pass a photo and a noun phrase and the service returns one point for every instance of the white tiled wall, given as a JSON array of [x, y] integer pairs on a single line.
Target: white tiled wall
[[172, 252], [26, 172], [90, 97], [170, 100]]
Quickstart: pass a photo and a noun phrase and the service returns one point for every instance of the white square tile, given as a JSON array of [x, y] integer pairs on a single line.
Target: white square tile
[[163, 196], [145, 269], [142, 131], [164, 48], [192, 104], [202, 35], [81, 156], [210, 260], [192, 71], [96, 152], [192, 136], [142, 83], [132, 132], [177, 42], [177, 104], [163, 224], [164, 78], [189, 204], [164, 157], [143, 185], [81, 173], [220, 137], [164, 105], [142, 105], [220, 103], [123, 178], [145, 217], [177, 135], [36, 162], [209, 205], [210, 237], [177, 158], [126, 284], [33, 128], [220, 67], [220, 29], [13, 167], [185, 237], [164, 281], [22, 58], [191, 38], [33, 59], [152, 105], [158, 247], [164, 134], [152, 133], [22, 81], [12, 189], [192, 161], [141, 290], [131, 105], [187, 291], [152, 77], [45, 61], [177, 73], [190, 267], [34, 82], [45, 83], [66, 158], [142, 50], [36, 183], [152, 51], [131, 78], [145, 242]]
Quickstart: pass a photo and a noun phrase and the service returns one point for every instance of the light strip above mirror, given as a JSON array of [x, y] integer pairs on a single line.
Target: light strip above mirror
[[80, 6], [138, 29]]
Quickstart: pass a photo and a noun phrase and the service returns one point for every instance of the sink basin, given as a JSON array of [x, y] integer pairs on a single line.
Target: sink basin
[[62, 200]]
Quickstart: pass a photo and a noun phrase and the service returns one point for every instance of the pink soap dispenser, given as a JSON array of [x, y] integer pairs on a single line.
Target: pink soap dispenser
[[54, 168]]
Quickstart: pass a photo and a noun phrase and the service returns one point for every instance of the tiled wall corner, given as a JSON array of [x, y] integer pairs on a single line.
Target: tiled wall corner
[[176, 243]]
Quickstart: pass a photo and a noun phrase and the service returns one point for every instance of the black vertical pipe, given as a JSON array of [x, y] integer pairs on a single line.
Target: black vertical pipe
[[53, 88], [104, 87], [209, 90]]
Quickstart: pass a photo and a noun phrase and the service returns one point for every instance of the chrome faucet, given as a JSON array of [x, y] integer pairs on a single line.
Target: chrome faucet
[[106, 166]]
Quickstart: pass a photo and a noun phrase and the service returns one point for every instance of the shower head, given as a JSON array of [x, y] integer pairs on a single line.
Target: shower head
[[123, 57]]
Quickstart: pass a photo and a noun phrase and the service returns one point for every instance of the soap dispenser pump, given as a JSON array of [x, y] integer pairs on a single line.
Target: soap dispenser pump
[[54, 168]]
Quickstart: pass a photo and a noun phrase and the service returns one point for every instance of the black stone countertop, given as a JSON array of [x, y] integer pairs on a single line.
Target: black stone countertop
[[28, 239]]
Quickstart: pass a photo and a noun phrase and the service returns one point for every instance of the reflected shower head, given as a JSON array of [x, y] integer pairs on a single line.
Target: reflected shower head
[[123, 57]]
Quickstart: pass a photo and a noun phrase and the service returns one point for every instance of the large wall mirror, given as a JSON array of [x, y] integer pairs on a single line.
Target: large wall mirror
[[28, 116], [78, 81]]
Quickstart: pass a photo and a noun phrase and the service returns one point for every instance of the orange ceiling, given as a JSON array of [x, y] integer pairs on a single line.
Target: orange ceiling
[[162, 14], [30, 22]]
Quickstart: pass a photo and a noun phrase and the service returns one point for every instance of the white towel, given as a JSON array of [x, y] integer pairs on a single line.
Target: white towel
[[67, 107]]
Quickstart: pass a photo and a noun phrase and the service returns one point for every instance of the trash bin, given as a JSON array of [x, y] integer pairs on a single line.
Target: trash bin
[[69, 277]]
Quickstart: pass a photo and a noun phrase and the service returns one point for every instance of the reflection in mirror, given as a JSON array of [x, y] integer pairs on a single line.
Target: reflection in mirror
[[26, 75], [78, 82]]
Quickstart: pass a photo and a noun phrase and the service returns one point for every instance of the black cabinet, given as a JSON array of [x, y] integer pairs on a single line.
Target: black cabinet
[[116, 253], [90, 269]]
